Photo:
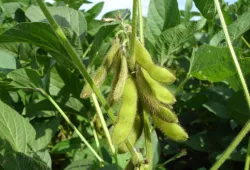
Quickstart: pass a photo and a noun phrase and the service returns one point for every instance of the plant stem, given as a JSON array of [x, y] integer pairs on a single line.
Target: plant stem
[[232, 146], [246, 128], [148, 141], [141, 32], [133, 36], [77, 61], [71, 124], [104, 125], [132, 151], [87, 51], [245, 41], [96, 137], [247, 162], [236, 63], [180, 87]]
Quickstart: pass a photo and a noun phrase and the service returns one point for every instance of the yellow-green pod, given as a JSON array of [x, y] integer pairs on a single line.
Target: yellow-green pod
[[98, 79], [127, 113], [133, 136], [112, 52], [158, 73], [160, 92], [166, 114], [172, 130]]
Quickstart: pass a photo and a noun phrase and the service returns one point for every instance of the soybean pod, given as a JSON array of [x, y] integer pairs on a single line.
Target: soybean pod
[[127, 113]]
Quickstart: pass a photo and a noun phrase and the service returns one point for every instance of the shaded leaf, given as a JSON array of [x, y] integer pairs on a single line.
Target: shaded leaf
[[82, 164], [216, 108], [207, 8]]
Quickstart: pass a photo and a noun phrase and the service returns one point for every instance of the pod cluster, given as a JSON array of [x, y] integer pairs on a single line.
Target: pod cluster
[[140, 90]]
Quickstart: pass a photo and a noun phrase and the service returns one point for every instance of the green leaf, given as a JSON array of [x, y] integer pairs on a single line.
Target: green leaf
[[207, 8], [82, 164], [237, 108], [171, 39], [43, 156], [162, 15], [67, 145], [40, 34], [25, 78], [15, 129], [235, 30], [76, 4], [64, 16], [216, 108], [110, 167], [215, 64], [20, 161], [8, 61], [94, 11]]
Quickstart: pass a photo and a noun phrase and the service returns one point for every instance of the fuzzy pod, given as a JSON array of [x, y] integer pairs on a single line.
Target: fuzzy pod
[[98, 79], [120, 76], [127, 113], [133, 136], [144, 59], [160, 92], [172, 130], [166, 114]]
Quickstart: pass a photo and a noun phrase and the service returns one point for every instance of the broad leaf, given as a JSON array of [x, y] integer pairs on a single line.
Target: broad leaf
[[65, 17], [40, 34], [8, 61], [236, 29], [25, 78], [216, 108], [82, 164], [20, 161], [15, 129], [207, 8], [215, 64], [162, 15], [94, 11], [74, 3], [171, 39]]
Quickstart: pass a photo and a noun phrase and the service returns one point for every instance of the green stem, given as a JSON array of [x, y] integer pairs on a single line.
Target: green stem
[[232, 146], [87, 51], [71, 124], [247, 162], [77, 61], [246, 129], [236, 62], [132, 152], [141, 22], [148, 142], [245, 41], [104, 125], [133, 36], [180, 87], [95, 137]]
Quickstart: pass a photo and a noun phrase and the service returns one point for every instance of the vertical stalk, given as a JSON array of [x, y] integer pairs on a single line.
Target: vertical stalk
[[71, 124], [95, 137], [133, 36], [180, 87], [141, 32], [104, 125], [246, 128], [77, 61], [247, 162], [148, 142]]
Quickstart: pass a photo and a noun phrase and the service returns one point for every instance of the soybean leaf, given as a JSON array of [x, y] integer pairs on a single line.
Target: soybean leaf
[[8, 61], [94, 11], [67, 145], [15, 129], [65, 17], [20, 161], [40, 34], [110, 167], [216, 108], [207, 8], [44, 133], [237, 108], [82, 164], [215, 64], [44, 157], [123, 13], [74, 3], [25, 78], [162, 15], [171, 39], [235, 30]]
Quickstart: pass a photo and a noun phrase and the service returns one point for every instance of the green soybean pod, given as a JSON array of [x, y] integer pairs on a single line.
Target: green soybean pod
[[133, 136], [166, 114], [127, 113], [172, 130], [98, 79], [158, 73], [160, 92]]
